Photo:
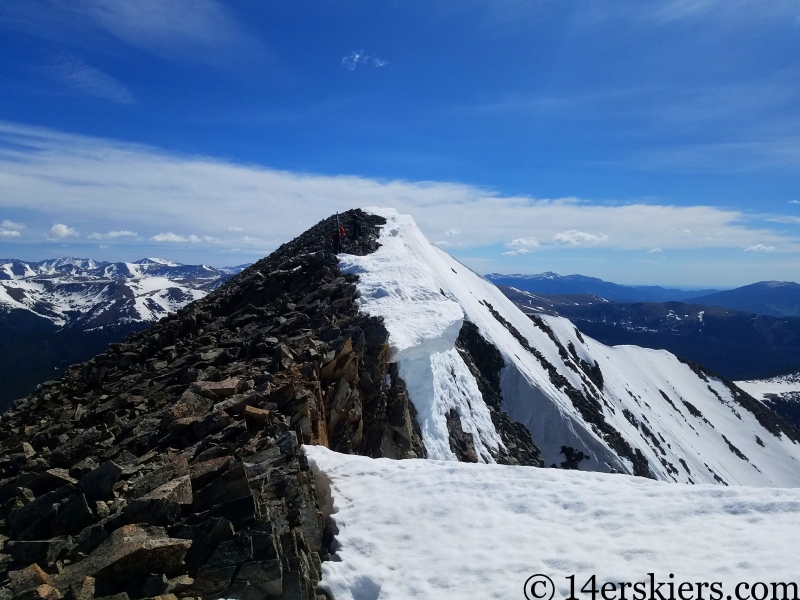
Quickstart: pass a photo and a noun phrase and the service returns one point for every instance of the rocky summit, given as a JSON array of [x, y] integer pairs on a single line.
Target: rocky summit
[[169, 466]]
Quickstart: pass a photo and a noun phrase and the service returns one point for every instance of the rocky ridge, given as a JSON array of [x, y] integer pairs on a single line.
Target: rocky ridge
[[170, 464]]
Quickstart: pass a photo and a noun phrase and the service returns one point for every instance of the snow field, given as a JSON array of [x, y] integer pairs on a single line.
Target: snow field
[[424, 295], [447, 530]]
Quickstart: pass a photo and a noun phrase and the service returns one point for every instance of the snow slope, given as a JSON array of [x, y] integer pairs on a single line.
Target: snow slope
[[445, 530], [650, 414]]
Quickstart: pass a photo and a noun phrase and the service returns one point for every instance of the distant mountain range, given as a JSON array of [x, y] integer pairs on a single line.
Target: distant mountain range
[[79, 292], [553, 283], [733, 343], [57, 312], [775, 298]]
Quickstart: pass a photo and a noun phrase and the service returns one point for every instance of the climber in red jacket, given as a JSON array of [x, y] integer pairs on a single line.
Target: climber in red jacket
[[338, 237]]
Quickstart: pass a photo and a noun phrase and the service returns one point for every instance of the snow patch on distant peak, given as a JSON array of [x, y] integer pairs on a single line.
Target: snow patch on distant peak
[[157, 261]]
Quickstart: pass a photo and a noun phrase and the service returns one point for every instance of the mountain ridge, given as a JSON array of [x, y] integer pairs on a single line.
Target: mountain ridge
[[57, 312], [736, 344], [171, 463], [775, 298], [553, 283]]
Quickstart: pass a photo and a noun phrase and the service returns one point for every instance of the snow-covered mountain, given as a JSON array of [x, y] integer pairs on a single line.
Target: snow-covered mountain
[[85, 293], [587, 405]]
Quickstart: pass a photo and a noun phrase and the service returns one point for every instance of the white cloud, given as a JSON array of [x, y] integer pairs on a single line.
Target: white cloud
[[785, 219], [354, 59], [180, 239], [59, 231], [654, 251], [89, 81], [521, 246], [573, 237], [247, 239], [760, 248], [794, 201], [43, 170], [232, 228], [442, 244], [171, 237], [10, 229], [452, 232], [112, 235]]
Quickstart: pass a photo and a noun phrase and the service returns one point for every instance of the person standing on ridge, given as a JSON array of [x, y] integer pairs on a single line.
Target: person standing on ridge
[[338, 236]]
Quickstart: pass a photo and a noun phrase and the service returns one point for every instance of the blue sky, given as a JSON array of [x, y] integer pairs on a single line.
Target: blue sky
[[639, 141]]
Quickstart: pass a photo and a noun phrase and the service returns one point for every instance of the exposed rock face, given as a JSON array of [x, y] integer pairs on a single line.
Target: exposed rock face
[[485, 363], [170, 464]]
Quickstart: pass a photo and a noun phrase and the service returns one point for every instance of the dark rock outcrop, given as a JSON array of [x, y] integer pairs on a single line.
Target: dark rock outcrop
[[171, 463], [586, 401], [485, 363]]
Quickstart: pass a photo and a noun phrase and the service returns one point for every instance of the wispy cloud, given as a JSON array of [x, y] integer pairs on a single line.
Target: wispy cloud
[[113, 235], [522, 246], [9, 233], [43, 171], [785, 219], [452, 232], [232, 228], [196, 30], [655, 251], [731, 11], [573, 237], [359, 58], [760, 248], [89, 81], [724, 128], [59, 231], [794, 201], [173, 27], [180, 239]]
